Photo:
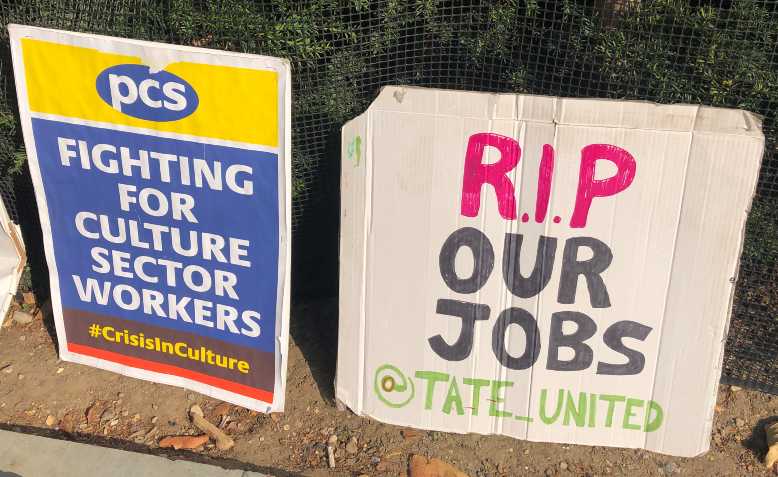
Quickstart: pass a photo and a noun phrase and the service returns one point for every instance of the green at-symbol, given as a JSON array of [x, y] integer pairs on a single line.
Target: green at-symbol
[[393, 387]]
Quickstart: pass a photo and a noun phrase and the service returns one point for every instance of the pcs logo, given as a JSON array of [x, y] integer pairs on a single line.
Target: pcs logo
[[393, 387], [135, 91]]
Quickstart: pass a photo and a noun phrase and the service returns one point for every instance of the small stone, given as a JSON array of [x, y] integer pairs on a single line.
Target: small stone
[[136, 417], [670, 468], [740, 422], [286, 427], [51, 420], [107, 415], [352, 447], [333, 439], [67, 423], [563, 465], [421, 466], [154, 419], [222, 409], [120, 395], [22, 317], [29, 298], [20, 376], [22, 338], [8, 368], [735, 389], [113, 422], [60, 370], [94, 411], [139, 437]]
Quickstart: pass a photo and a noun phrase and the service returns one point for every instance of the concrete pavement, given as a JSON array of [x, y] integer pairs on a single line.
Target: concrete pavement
[[24, 455]]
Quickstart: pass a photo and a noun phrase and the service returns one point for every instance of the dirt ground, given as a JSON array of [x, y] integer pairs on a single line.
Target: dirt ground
[[41, 395]]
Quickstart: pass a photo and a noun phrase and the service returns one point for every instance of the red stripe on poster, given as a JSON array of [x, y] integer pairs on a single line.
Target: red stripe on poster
[[237, 388]]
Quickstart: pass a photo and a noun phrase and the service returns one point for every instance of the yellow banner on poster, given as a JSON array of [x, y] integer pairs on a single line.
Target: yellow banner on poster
[[233, 104]]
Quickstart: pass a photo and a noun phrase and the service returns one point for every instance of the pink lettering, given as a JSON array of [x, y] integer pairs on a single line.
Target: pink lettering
[[545, 172], [477, 174], [589, 187]]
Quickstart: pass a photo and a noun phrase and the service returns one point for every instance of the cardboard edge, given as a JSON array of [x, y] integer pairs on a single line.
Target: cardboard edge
[[391, 98], [716, 371], [352, 240]]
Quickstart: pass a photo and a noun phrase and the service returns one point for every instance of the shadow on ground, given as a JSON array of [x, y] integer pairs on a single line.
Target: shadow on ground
[[27, 209], [315, 275], [314, 329], [757, 441], [120, 444]]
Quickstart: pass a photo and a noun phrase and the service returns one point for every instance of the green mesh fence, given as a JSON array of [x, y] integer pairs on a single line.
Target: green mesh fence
[[711, 52]]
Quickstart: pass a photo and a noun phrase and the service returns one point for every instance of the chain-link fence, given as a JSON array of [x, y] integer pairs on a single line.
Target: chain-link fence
[[693, 51]]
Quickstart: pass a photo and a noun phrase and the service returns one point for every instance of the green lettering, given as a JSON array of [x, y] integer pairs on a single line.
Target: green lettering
[[496, 399], [651, 426], [611, 399], [543, 396], [432, 378], [454, 398], [628, 413], [592, 409], [578, 412], [477, 385]]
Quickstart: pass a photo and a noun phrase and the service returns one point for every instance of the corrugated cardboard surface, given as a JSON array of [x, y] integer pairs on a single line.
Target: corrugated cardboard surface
[[675, 234]]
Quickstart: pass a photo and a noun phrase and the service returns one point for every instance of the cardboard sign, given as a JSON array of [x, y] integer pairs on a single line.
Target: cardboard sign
[[162, 175], [550, 269]]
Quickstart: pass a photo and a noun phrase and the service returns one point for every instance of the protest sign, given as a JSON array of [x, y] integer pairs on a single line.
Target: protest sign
[[162, 176], [551, 269], [12, 260]]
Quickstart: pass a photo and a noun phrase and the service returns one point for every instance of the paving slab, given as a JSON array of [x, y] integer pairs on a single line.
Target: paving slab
[[25, 455]]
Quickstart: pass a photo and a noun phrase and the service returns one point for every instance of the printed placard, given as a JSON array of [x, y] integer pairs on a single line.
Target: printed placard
[[545, 268], [162, 175]]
